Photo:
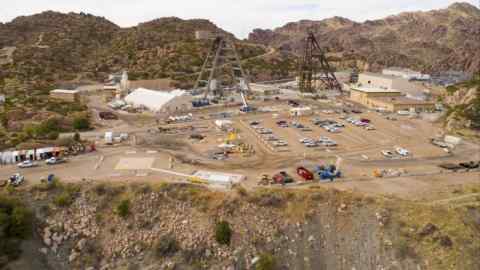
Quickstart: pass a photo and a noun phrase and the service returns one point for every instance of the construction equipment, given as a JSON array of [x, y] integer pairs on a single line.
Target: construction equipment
[[265, 180], [223, 63], [314, 66], [328, 172]]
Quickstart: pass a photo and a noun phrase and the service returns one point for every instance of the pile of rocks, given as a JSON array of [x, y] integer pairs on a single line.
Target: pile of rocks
[[76, 224]]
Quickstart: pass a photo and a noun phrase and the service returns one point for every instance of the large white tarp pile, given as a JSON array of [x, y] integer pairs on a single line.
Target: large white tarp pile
[[152, 100]]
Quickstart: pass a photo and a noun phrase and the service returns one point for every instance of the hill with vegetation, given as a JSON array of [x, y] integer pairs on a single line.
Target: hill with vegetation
[[432, 41], [182, 226]]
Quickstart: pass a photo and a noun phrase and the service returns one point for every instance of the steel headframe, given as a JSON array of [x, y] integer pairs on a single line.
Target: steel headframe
[[314, 66], [222, 59]]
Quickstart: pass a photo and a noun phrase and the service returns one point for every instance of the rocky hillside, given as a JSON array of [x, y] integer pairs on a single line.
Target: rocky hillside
[[430, 41], [463, 101], [54, 47], [173, 226]]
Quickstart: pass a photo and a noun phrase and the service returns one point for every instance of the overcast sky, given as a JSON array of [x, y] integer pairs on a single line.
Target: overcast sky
[[236, 16]]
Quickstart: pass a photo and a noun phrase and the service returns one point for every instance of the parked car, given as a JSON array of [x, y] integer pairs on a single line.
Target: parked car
[[439, 143], [254, 123], [316, 121], [16, 180], [280, 143], [356, 111], [306, 140], [402, 151], [282, 178], [329, 143], [311, 144], [305, 174], [293, 103], [282, 123], [264, 131], [306, 129], [359, 123], [55, 160], [332, 129], [387, 153], [323, 139], [27, 164], [271, 138], [391, 118], [369, 127], [297, 125], [365, 120]]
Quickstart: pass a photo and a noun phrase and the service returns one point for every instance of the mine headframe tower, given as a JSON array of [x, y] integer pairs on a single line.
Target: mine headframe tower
[[315, 67], [222, 71]]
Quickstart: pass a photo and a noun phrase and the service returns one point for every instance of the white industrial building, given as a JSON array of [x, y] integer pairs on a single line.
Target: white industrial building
[[406, 74], [160, 101], [389, 82]]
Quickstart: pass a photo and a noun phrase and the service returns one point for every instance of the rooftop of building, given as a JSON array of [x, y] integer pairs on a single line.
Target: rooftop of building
[[64, 91], [379, 75], [401, 69], [374, 89], [403, 100]]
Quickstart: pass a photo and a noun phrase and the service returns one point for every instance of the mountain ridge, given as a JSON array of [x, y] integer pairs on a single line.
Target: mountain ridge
[[452, 34]]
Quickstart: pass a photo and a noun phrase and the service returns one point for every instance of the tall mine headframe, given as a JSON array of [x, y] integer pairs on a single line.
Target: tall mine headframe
[[314, 67], [222, 70]]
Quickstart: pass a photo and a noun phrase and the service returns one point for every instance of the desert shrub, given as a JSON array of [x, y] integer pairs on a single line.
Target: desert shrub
[[241, 191], [265, 262], [166, 246], [100, 189], [123, 208], [81, 123], [76, 137], [15, 225], [403, 250], [223, 233], [67, 197], [64, 199]]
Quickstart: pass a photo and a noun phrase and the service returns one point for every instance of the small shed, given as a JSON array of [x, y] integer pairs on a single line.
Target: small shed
[[65, 95]]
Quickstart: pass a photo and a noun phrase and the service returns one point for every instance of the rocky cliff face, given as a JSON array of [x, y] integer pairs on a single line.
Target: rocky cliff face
[[431, 41]]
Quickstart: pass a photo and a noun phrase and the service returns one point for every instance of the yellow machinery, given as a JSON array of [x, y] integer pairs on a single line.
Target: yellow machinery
[[197, 180]]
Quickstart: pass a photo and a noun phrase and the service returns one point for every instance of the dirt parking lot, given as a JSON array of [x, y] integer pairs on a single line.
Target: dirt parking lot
[[353, 141]]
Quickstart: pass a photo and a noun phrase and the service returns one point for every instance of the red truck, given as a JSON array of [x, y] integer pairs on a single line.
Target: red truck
[[305, 174]]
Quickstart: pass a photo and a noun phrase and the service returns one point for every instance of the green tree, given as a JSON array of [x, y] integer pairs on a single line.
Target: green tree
[[76, 137], [81, 123], [123, 208], [15, 225], [265, 262], [223, 233]]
